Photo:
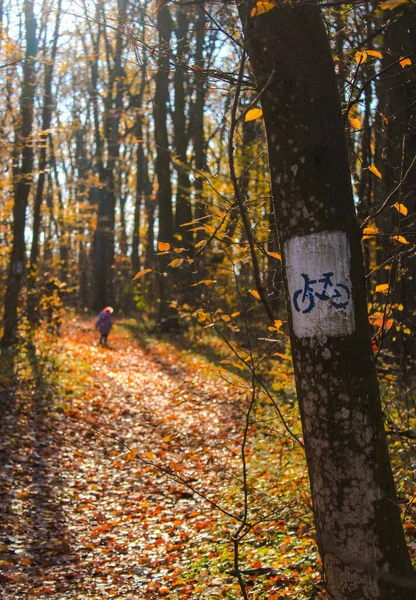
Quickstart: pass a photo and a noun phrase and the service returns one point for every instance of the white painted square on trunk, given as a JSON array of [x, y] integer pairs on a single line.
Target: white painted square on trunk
[[320, 290]]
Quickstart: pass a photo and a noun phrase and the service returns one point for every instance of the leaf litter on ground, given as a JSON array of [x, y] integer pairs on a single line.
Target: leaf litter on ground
[[123, 480]]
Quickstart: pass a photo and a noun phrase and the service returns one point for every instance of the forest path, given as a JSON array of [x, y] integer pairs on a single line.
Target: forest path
[[86, 513]]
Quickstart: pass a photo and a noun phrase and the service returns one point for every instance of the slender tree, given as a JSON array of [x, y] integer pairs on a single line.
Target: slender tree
[[22, 177]]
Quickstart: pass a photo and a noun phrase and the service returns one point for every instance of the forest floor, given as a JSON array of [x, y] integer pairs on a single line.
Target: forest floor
[[121, 477]]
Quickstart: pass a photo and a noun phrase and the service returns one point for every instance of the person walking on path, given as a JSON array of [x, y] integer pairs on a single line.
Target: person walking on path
[[104, 324]]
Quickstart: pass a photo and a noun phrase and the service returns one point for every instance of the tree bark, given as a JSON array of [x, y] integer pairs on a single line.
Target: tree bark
[[357, 517], [22, 179]]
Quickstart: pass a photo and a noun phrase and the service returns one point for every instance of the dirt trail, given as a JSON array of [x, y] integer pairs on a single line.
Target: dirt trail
[[84, 512]]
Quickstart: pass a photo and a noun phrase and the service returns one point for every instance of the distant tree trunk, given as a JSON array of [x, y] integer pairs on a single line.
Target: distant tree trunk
[[32, 299], [183, 212], [162, 166], [397, 161], [22, 179], [357, 517]]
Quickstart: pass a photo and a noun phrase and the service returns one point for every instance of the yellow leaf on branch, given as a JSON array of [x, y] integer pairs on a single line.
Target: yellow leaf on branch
[[255, 294], [252, 114], [401, 208], [383, 287], [370, 231], [361, 57], [401, 239], [374, 53], [176, 262], [356, 123], [405, 62], [275, 255], [392, 4], [263, 6], [163, 246], [374, 170]]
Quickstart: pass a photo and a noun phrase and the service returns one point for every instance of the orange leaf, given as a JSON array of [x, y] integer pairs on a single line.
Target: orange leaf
[[255, 294], [374, 170], [374, 53], [262, 6], [252, 114], [391, 4], [405, 62], [401, 208], [370, 231], [275, 255], [141, 273], [383, 287], [401, 239], [356, 123], [163, 246], [361, 57]]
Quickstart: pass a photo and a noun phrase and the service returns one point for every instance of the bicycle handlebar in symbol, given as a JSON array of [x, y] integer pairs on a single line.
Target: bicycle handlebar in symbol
[[304, 299]]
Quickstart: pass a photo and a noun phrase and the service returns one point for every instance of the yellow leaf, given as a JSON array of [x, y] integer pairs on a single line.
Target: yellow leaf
[[209, 229], [176, 262], [235, 314], [383, 287], [374, 53], [141, 273], [401, 208], [370, 231], [255, 294], [281, 355], [361, 57], [356, 123], [136, 141], [252, 114], [205, 282], [163, 246], [149, 455], [201, 243], [391, 4], [374, 170], [405, 62], [278, 323], [335, 58], [131, 455], [275, 255], [262, 6], [232, 363], [178, 250], [226, 318], [401, 239]]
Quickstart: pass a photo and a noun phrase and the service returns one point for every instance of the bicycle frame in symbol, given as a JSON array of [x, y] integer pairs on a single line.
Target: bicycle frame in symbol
[[304, 300]]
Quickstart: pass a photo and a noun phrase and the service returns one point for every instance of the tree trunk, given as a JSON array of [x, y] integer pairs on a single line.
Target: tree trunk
[[32, 299], [357, 517], [22, 178], [162, 166], [397, 159]]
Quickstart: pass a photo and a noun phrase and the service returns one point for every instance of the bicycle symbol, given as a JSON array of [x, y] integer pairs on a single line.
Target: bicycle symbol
[[304, 299]]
